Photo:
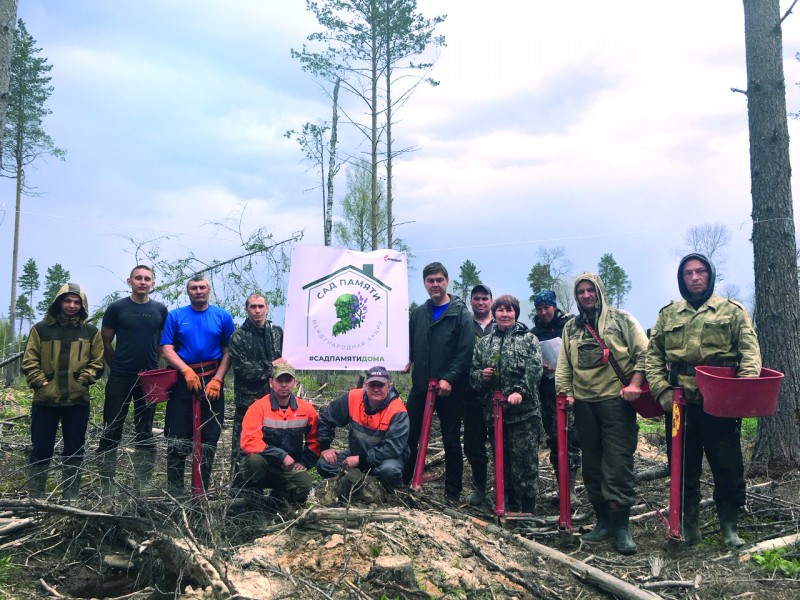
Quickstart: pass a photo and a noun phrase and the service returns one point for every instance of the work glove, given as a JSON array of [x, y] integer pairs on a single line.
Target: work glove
[[192, 380], [665, 400], [213, 389]]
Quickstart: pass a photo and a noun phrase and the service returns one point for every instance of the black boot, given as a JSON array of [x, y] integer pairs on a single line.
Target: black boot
[[690, 527], [478, 495], [528, 504], [728, 519], [205, 467], [602, 528], [176, 465], [71, 478], [622, 532]]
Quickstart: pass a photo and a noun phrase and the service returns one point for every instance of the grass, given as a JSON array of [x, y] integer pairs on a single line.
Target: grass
[[775, 561], [7, 569]]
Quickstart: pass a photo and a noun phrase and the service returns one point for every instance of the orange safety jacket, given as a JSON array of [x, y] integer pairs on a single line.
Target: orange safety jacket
[[274, 432], [375, 435]]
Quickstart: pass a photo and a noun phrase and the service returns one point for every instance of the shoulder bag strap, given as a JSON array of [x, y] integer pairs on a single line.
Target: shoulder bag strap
[[607, 356]]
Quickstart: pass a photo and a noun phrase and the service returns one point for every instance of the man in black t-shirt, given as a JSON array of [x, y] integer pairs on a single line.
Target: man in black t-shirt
[[136, 323]]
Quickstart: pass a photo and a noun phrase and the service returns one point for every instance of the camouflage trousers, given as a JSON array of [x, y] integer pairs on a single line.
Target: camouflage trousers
[[520, 459]]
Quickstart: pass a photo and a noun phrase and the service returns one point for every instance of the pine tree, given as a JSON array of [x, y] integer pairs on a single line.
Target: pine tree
[[24, 137], [615, 279], [29, 283], [55, 278], [469, 277]]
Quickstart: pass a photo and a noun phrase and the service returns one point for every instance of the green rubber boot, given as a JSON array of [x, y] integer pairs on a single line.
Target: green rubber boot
[[728, 519], [37, 480], [622, 532], [602, 528], [108, 470], [690, 528], [71, 479]]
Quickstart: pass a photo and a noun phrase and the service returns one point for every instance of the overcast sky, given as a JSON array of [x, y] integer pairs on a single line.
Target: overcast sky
[[599, 127]]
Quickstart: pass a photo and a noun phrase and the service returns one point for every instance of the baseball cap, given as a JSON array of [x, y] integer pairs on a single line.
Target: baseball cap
[[377, 374], [481, 288], [283, 369]]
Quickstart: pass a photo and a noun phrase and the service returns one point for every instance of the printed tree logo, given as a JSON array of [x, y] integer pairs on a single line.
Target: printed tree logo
[[351, 310]]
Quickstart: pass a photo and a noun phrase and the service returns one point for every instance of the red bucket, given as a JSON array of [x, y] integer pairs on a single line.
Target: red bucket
[[725, 395], [157, 383], [646, 405]]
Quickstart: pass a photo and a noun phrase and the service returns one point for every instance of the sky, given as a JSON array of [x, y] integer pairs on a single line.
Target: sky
[[598, 127]]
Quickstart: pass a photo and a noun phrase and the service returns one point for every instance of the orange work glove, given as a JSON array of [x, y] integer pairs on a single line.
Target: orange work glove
[[213, 389], [192, 380]]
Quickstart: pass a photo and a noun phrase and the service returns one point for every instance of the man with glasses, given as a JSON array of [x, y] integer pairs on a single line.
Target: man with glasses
[[378, 437], [703, 329]]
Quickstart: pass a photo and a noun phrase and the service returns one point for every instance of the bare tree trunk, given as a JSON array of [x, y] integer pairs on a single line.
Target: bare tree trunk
[[375, 24], [8, 19], [12, 309], [332, 168], [777, 311], [388, 49]]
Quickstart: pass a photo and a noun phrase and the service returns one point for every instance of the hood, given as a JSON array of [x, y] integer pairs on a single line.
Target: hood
[[602, 301], [712, 277], [69, 288]]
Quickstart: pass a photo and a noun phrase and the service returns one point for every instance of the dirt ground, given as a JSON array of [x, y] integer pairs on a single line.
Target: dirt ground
[[332, 548]]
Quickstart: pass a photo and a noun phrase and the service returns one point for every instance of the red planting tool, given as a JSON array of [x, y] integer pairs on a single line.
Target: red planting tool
[[564, 499], [676, 466], [197, 439], [499, 462], [425, 434]]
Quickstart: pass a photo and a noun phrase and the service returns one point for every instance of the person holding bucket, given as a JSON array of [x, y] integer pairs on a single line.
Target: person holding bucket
[[136, 322], [601, 371], [195, 342], [703, 329]]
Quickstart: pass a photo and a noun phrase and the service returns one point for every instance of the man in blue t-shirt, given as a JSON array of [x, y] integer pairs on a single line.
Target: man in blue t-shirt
[[195, 342], [136, 323]]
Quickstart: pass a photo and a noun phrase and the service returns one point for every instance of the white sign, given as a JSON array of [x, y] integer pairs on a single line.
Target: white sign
[[346, 309]]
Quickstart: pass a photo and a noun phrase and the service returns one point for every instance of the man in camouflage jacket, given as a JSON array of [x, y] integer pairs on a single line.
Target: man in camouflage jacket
[[254, 347], [703, 329]]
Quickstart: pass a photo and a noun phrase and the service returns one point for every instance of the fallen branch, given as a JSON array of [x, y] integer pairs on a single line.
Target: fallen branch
[[605, 581], [537, 591], [358, 515], [16, 525], [779, 542], [651, 473], [661, 585], [28, 505], [51, 591]]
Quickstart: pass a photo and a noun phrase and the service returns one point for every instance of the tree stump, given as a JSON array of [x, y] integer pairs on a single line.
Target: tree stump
[[394, 569]]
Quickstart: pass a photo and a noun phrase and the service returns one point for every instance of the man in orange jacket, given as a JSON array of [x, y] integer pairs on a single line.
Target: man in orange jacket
[[378, 438], [279, 440]]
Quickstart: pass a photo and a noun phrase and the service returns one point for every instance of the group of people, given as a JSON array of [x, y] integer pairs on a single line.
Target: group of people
[[599, 360]]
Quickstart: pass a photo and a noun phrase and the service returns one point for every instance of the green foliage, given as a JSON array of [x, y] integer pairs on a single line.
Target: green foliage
[[469, 277], [775, 561], [614, 278], [749, 428], [24, 138], [7, 569], [550, 273], [375, 550], [55, 278], [29, 284], [354, 230], [24, 311]]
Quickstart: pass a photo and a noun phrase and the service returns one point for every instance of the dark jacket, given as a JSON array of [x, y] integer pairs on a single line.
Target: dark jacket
[[545, 332], [252, 351], [441, 349], [269, 430], [375, 435], [67, 353]]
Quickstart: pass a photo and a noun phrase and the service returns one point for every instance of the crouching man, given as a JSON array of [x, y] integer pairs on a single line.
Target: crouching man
[[279, 440], [378, 438]]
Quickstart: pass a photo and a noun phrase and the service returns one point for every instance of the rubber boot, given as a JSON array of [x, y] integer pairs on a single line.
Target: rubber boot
[[350, 479], [602, 528], [37, 480], [728, 518], [622, 533], [176, 465], [108, 470], [206, 466], [71, 479], [144, 462], [478, 495], [690, 527]]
